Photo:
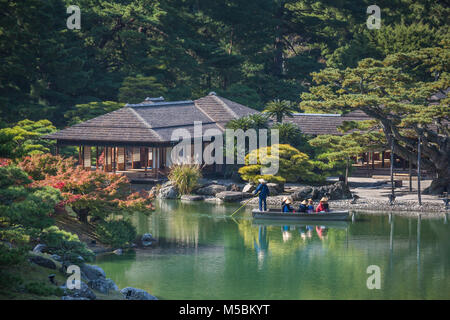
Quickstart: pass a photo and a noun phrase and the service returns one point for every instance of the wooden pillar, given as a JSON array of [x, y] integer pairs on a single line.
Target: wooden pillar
[[79, 155], [373, 161], [114, 159], [419, 195], [410, 175], [105, 160], [153, 161], [146, 158], [57, 149], [124, 158], [382, 159], [392, 169], [96, 157]]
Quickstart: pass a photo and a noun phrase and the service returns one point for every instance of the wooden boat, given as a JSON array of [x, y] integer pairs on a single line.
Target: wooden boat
[[274, 214]]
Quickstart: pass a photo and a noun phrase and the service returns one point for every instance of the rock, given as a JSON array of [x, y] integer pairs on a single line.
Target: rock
[[336, 191], [147, 239], [118, 251], [249, 188], [136, 294], [83, 292], [303, 193], [56, 257], [231, 196], [43, 262], [233, 187], [168, 192], [103, 285], [73, 298], [7, 244], [39, 248], [92, 272], [211, 190], [275, 188], [187, 197]]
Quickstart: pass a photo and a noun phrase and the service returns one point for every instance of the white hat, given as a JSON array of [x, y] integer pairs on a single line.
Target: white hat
[[261, 180]]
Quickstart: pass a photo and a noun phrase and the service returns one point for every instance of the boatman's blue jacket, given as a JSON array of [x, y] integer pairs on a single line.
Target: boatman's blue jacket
[[263, 191]]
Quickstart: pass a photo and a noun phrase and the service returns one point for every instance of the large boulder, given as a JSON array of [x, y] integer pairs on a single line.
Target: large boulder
[[76, 294], [92, 272], [275, 188], [232, 196], [248, 188], [103, 285], [39, 248], [188, 197], [43, 262], [147, 239], [169, 192], [211, 190], [136, 294], [336, 191]]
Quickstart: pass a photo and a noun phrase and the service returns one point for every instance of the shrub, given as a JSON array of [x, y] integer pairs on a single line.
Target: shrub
[[65, 244], [293, 165], [116, 233], [185, 177], [43, 289]]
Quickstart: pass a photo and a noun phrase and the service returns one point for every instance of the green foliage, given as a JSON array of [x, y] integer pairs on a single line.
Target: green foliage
[[23, 205], [65, 244], [185, 177], [280, 109], [136, 89], [86, 111], [395, 92], [255, 121], [43, 289], [293, 165], [290, 134], [24, 139], [116, 233]]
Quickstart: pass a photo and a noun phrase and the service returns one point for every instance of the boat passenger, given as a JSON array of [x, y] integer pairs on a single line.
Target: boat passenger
[[323, 205], [310, 206], [283, 200], [287, 206], [303, 206], [263, 190]]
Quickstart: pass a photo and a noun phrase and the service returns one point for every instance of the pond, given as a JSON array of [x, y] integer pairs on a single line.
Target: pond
[[203, 254]]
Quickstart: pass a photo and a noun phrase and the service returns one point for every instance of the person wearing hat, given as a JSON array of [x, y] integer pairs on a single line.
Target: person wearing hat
[[323, 205], [303, 206], [263, 190], [287, 206], [310, 206]]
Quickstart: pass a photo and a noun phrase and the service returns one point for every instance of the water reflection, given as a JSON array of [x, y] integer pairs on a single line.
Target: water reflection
[[202, 254]]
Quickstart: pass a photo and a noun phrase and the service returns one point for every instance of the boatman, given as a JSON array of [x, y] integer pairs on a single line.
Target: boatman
[[263, 190]]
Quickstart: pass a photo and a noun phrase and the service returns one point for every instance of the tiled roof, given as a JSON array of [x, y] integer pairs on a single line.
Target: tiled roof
[[316, 124], [154, 120]]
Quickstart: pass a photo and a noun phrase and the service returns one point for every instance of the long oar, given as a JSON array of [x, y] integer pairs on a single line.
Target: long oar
[[244, 204]]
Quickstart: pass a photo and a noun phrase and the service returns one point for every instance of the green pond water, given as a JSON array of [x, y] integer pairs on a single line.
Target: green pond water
[[203, 254]]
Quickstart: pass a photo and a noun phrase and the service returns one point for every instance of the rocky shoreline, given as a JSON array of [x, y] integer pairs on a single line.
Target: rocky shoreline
[[93, 278], [341, 197]]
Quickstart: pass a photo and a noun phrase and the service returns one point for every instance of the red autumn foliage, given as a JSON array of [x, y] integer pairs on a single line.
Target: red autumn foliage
[[87, 192], [4, 162]]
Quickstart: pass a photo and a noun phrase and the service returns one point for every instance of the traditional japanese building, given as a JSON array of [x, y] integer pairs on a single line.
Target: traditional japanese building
[[137, 137]]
